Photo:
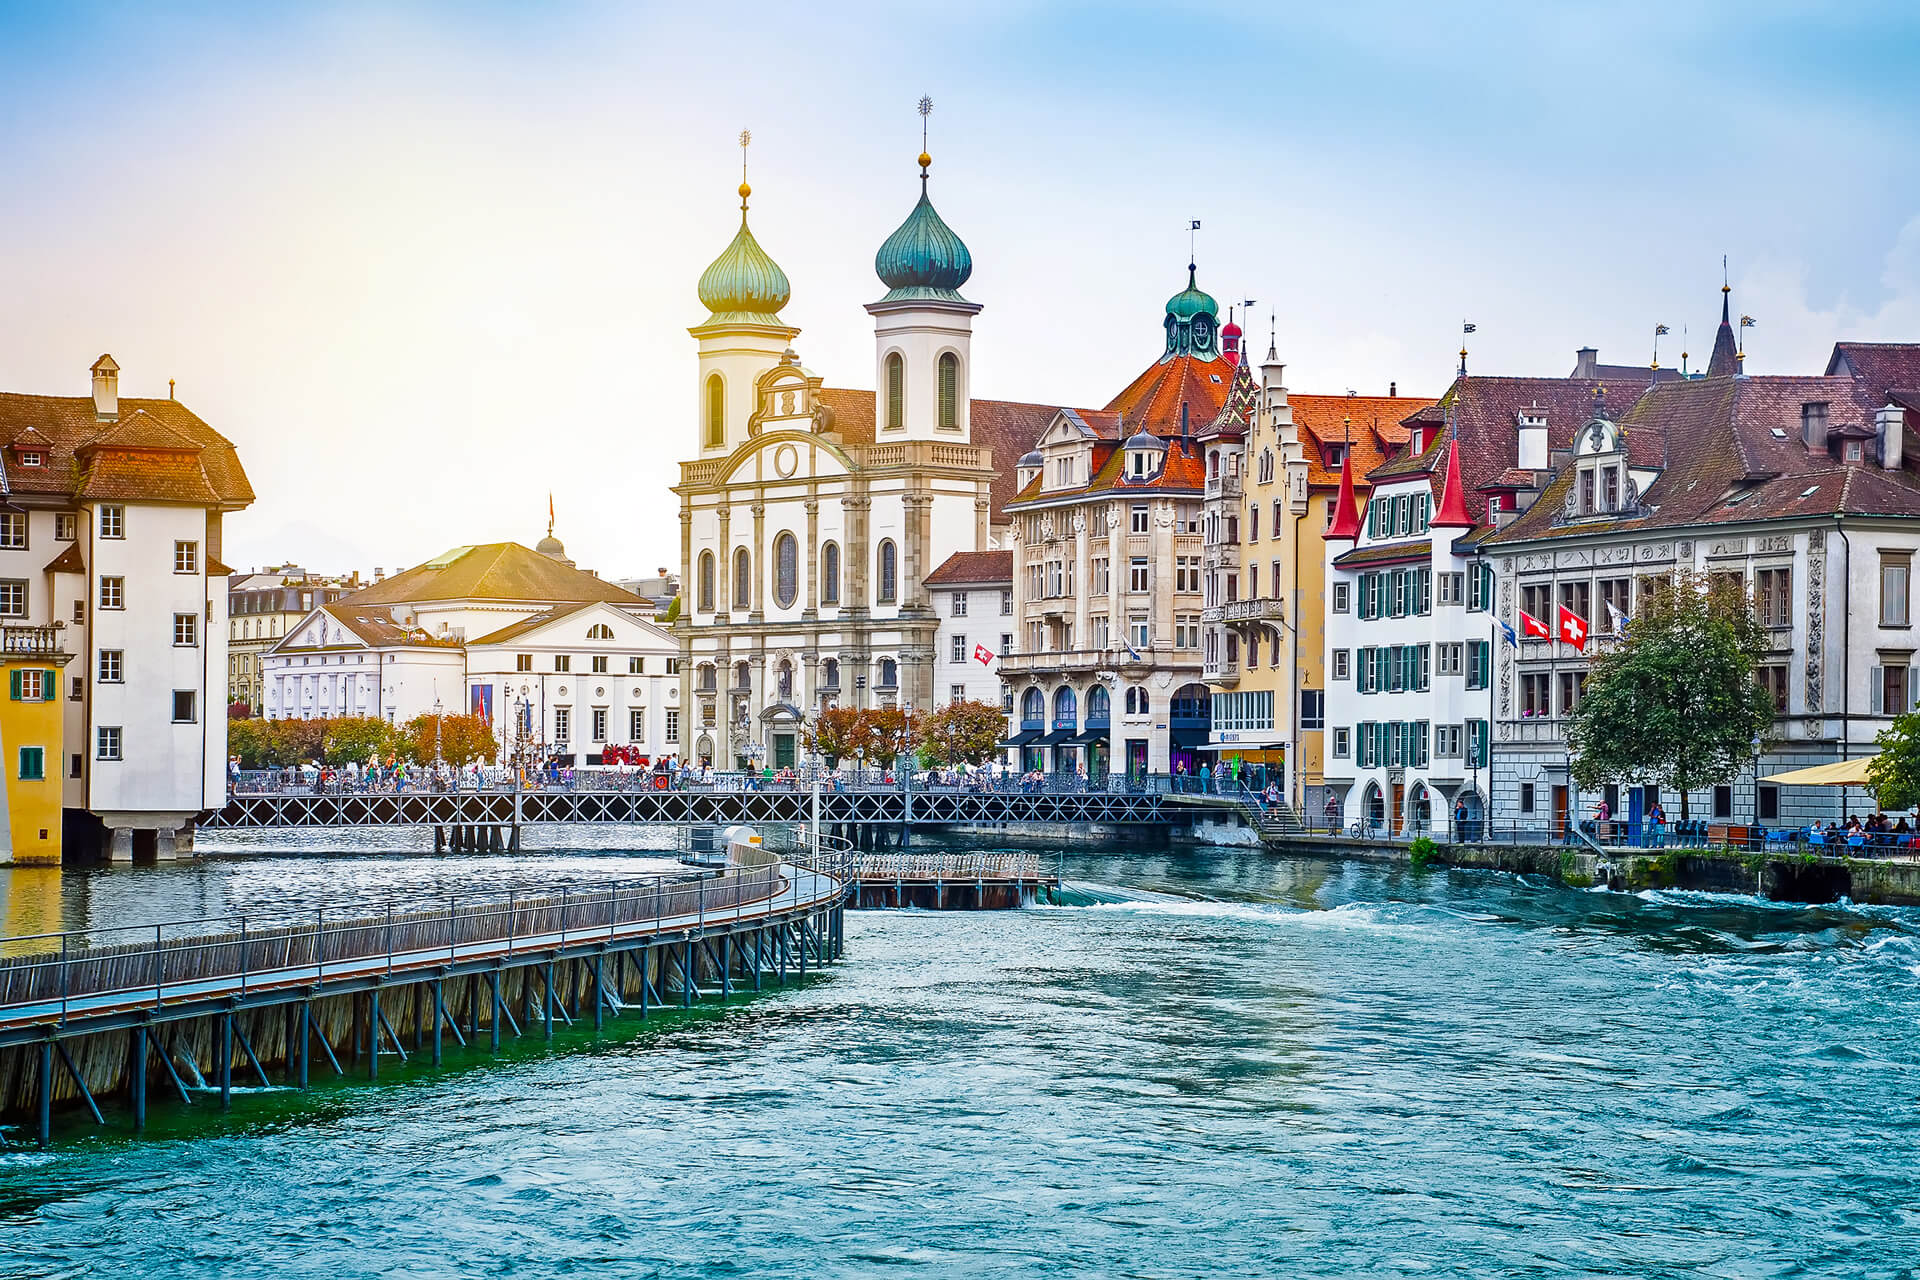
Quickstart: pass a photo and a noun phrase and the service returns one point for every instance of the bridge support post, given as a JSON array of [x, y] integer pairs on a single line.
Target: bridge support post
[[599, 990], [373, 1034], [513, 844], [137, 1077], [493, 982], [546, 1002], [689, 990], [439, 1016], [439, 839], [726, 966], [46, 1093], [223, 1059], [305, 1017]]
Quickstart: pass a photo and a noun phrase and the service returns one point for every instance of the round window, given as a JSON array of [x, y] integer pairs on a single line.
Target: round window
[[786, 461]]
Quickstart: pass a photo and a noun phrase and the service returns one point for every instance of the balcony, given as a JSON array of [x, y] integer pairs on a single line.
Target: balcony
[[35, 641], [1224, 486], [1224, 672], [1120, 659], [1265, 609]]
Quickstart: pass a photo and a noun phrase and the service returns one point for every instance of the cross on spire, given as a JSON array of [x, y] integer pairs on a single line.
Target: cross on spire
[[746, 140]]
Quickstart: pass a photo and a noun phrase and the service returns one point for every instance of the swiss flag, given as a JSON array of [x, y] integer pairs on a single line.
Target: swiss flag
[[1532, 628], [983, 655], [1573, 628]]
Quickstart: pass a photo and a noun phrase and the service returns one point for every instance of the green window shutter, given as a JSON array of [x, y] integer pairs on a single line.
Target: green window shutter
[[13, 684], [50, 686]]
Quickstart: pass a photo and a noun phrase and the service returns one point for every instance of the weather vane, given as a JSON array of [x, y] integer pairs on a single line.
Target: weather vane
[[746, 138], [926, 109]]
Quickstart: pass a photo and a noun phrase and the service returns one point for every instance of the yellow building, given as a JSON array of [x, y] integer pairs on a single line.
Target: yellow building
[[31, 744], [1276, 611]]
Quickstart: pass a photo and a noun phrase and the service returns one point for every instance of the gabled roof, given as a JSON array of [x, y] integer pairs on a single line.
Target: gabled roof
[[1184, 471], [492, 571], [372, 628], [1735, 453], [67, 561], [559, 613], [195, 464], [971, 568], [1881, 366], [1377, 429]]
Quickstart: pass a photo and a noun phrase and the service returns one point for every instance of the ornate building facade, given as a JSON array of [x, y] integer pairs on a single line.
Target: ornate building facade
[[812, 516]]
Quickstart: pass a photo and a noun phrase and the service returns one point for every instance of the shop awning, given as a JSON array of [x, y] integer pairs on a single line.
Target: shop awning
[[1188, 738], [1841, 773], [1091, 735], [1024, 738], [1058, 738]]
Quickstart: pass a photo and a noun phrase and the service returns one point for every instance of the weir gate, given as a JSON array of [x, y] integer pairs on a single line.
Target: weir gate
[[188, 1006]]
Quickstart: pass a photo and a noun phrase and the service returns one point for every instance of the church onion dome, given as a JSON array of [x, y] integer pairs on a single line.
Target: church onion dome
[[1192, 300], [744, 285], [1193, 322], [923, 258]]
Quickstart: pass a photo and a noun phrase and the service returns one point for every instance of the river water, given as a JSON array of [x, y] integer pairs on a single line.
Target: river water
[[1220, 1064]]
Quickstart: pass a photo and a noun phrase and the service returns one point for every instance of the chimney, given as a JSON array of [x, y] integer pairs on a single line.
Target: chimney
[[1393, 391], [1585, 360], [1813, 425], [1891, 424], [379, 574], [106, 389]]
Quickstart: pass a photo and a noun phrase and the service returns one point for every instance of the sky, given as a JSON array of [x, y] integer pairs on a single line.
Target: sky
[[426, 265]]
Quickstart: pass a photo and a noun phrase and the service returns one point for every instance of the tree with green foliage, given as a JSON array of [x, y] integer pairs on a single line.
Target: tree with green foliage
[[962, 732], [1678, 703], [836, 733], [1895, 772], [357, 739]]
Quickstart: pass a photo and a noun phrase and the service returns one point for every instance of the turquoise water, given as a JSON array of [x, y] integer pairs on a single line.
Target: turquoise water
[[1243, 1066]]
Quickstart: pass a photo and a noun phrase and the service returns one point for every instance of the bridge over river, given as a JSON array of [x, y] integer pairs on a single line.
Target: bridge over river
[[188, 1005]]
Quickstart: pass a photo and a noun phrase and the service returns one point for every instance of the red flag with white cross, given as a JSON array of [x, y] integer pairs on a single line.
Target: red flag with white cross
[[1573, 628], [983, 655], [1532, 628]]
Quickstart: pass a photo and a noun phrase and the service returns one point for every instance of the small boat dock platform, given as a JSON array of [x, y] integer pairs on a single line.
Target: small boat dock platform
[[954, 881]]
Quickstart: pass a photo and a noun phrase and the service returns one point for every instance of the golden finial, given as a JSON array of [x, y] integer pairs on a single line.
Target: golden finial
[[746, 139], [926, 109]]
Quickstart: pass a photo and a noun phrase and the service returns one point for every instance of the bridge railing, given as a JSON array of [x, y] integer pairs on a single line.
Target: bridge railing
[[295, 782], [931, 867], [238, 952]]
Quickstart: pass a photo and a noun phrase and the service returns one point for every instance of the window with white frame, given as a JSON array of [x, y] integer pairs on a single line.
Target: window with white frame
[[106, 739], [113, 593], [1449, 658], [958, 605], [959, 648], [1342, 743], [636, 724], [13, 598], [66, 526], [1313, 709], [113, 522], [1341, 660], [186, 557], [673, 724], [112, 666], [1137, 574], [1137, 630], [186, 630], [13, 530], [1139, 518]]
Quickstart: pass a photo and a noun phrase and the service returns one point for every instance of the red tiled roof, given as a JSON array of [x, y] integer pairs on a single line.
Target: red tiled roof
[[1152, 400], [1183, 472], [156, 451], [1881, 366], [969, 567], [1376, 430]]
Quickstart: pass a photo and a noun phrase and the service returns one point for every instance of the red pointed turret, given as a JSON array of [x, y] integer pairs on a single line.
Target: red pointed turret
[[1452, 503], [1346, 510]]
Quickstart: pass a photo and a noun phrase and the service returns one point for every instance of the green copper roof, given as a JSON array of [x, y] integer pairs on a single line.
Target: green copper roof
[[744, 285], [1192, 300], [923, 258]]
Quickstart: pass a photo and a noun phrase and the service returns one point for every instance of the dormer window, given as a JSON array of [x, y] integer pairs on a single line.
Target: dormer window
[[1600, 480], [1336, 455], [30, 458]]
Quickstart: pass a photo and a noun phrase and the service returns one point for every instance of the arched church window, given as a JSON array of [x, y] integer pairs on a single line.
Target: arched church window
[[716, 412], [830, 673], [830, 573], [949, 390], [708, 677], [706, 582], [896, 392], [742, 579], [742, 676], [889, 674], [889, 573], [786, 570]]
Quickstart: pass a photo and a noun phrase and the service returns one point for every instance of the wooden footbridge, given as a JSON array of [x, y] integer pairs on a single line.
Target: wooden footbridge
[[187, 1005]]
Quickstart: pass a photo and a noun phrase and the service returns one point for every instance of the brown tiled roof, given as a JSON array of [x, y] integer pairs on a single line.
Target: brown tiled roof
[[63, 426], [1152, 400], [67, 561], [492, 571], [1630, 372], [1008, 427], [1512, 478], [377, 627], [1726, 464], [1880, 366], [1487, 411], [969, 567]]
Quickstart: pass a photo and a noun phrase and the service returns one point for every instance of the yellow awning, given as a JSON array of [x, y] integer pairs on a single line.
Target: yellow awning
[[1841, 773]]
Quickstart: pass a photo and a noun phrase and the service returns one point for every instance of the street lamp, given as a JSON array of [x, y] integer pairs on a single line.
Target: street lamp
[[439, 764]]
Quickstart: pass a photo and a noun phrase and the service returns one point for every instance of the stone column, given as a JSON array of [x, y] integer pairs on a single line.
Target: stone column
[[757, 701], [687, 597], [982, 520], [812, 609], [723, 563], [759, 561], [120, 844], [1083, 571], [1116, 572], [916, 509], [1160, 575], [856, 562], [806, 693]]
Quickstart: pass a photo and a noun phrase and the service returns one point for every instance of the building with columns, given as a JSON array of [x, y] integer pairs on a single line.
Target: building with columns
[[811, 516]]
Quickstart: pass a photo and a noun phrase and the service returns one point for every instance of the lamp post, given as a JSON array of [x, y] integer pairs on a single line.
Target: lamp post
[[439, 764]]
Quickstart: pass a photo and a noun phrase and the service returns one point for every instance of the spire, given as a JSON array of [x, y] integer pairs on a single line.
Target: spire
[[1452, 502], [923, 258], [1725, 361], [1346, 509], [1192, 320], [743, 285]]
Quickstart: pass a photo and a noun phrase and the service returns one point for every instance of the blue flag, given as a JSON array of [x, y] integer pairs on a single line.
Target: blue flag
[[1506, 629]]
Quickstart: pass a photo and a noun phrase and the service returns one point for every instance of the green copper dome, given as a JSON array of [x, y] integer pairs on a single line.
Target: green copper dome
[[1192, 300], [744, 285], [923, 259]]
